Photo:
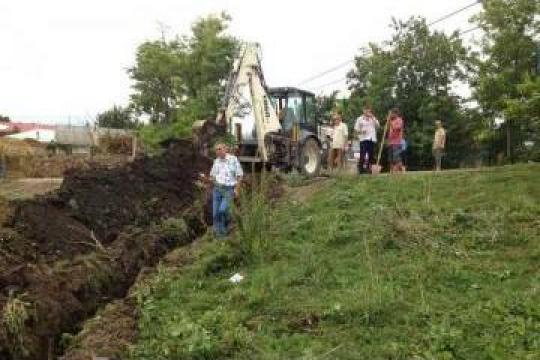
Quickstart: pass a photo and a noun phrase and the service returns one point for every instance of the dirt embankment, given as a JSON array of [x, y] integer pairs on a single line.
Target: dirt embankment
[[65, 254]]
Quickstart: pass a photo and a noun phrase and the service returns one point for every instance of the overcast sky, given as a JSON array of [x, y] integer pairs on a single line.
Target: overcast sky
[[67, 59]]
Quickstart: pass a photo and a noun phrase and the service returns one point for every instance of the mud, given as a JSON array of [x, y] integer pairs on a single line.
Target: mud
[[64, 255]]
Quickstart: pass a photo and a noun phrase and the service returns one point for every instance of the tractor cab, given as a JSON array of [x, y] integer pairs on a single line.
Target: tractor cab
[[294, 107]]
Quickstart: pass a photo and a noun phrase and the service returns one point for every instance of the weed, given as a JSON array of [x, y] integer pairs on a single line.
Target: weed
[[255, 218], [17, 312], [174, 228]]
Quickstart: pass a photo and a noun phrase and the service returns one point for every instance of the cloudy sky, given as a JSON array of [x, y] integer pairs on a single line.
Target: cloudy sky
[[66, 60]]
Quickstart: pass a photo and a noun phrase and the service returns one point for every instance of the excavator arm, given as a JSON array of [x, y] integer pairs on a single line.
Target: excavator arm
[[247, 110]]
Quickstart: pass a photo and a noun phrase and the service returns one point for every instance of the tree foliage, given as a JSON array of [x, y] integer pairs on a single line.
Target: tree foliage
[[524, 111], [507, 67], [324, 106], [415, 72], [117, 117], [4, 118], [181, 80]]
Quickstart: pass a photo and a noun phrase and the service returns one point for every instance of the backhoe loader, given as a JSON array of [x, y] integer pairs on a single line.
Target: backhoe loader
[[272, 127]]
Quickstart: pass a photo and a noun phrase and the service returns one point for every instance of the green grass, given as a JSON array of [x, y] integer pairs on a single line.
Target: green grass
[[410, 267]]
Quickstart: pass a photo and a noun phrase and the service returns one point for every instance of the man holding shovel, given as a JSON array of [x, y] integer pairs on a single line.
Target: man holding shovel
[[394, 124], [395, 141]]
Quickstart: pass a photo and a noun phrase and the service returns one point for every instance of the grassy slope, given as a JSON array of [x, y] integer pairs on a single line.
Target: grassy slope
[[421, 266]]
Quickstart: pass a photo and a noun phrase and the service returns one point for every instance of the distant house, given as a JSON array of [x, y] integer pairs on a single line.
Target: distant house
[[38, 132], [78, 139], [41, 135]]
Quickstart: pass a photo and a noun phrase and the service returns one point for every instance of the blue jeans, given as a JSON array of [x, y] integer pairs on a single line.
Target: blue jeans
[[221, 200]]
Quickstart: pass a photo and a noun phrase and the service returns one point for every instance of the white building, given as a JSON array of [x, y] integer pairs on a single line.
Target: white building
[[41, 135]]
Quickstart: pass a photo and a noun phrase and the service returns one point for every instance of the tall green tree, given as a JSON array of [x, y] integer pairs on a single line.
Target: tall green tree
[[524, 112], [509, 57], [117, 117], [179, 81], [324, 106], [373, 80], [158, 84]]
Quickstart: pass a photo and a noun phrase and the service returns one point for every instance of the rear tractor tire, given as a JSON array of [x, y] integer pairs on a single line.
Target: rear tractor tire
[[310, 158]]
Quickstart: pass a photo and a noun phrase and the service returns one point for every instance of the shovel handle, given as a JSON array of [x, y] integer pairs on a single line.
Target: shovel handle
[[382, 142]]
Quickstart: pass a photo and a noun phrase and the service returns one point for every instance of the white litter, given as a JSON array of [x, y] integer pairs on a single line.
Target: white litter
[[236, 278]]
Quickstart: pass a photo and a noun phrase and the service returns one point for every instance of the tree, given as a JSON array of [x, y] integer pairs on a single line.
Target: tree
[[180, 81], [4, 118], [525, 112], [117, 118], [373, 80], [415, 71], [509, 51], [158, 85], [324, 106]]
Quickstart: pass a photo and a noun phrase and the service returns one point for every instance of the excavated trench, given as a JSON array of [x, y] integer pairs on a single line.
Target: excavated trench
[[68, 253]]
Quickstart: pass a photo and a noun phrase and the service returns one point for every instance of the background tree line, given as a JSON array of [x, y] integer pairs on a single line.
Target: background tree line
[[180, 80], [419, 69], [177, 81]]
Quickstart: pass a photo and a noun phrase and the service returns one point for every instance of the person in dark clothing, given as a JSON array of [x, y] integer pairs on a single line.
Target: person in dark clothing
[[366, 130]]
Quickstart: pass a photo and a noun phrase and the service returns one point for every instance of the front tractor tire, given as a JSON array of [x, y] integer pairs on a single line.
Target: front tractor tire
[[310, 158]]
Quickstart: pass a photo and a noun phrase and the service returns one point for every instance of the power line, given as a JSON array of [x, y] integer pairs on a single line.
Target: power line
[[325, 72], [339, 66], [329, 83], [345, 78], [469, 30], [454, 13]]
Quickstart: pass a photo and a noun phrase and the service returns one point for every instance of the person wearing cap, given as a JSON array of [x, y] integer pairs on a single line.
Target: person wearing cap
[[226, 175], [366, 130], [339, 141], [439, 143]]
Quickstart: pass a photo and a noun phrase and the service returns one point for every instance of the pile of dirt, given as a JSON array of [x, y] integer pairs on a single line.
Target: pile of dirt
[[65, 254]]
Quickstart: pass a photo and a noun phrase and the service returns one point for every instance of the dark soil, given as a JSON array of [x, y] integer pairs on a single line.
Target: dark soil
[[67, 253]]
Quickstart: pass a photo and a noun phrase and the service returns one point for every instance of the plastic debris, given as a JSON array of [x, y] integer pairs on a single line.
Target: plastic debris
[[236, 278]]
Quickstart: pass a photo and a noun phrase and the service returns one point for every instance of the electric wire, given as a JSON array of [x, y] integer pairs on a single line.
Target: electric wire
[[365, 52]]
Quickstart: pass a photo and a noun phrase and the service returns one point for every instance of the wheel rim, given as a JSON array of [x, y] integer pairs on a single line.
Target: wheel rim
[[311, 158]]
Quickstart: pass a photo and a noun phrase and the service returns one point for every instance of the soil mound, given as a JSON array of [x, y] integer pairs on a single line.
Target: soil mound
[[65, 254]]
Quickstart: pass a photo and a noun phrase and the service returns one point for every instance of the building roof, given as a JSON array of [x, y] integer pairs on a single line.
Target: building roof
[[16, 127], [41, 135], [74, 135]]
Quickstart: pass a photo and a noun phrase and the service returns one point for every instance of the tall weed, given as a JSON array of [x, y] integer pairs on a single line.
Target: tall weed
[[254, 216]]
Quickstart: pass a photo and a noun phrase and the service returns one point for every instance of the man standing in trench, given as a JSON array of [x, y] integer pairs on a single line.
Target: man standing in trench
[[226, 175]]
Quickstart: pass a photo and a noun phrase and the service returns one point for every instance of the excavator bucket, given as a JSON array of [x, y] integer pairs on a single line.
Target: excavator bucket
[[204, 135]]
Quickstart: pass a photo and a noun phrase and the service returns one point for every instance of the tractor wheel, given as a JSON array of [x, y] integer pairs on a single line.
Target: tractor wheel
[[310, 158]]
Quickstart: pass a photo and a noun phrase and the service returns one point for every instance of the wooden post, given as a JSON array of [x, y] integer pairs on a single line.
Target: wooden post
[[133, 147]]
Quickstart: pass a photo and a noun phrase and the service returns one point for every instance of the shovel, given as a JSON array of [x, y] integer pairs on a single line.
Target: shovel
[[376, 169]]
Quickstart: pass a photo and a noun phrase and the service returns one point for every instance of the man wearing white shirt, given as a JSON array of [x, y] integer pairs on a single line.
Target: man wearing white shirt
[[226, 175], [366, 129], [339, 140]]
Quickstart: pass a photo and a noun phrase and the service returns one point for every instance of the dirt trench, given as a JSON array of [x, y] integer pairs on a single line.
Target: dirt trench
[[65, 254]]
